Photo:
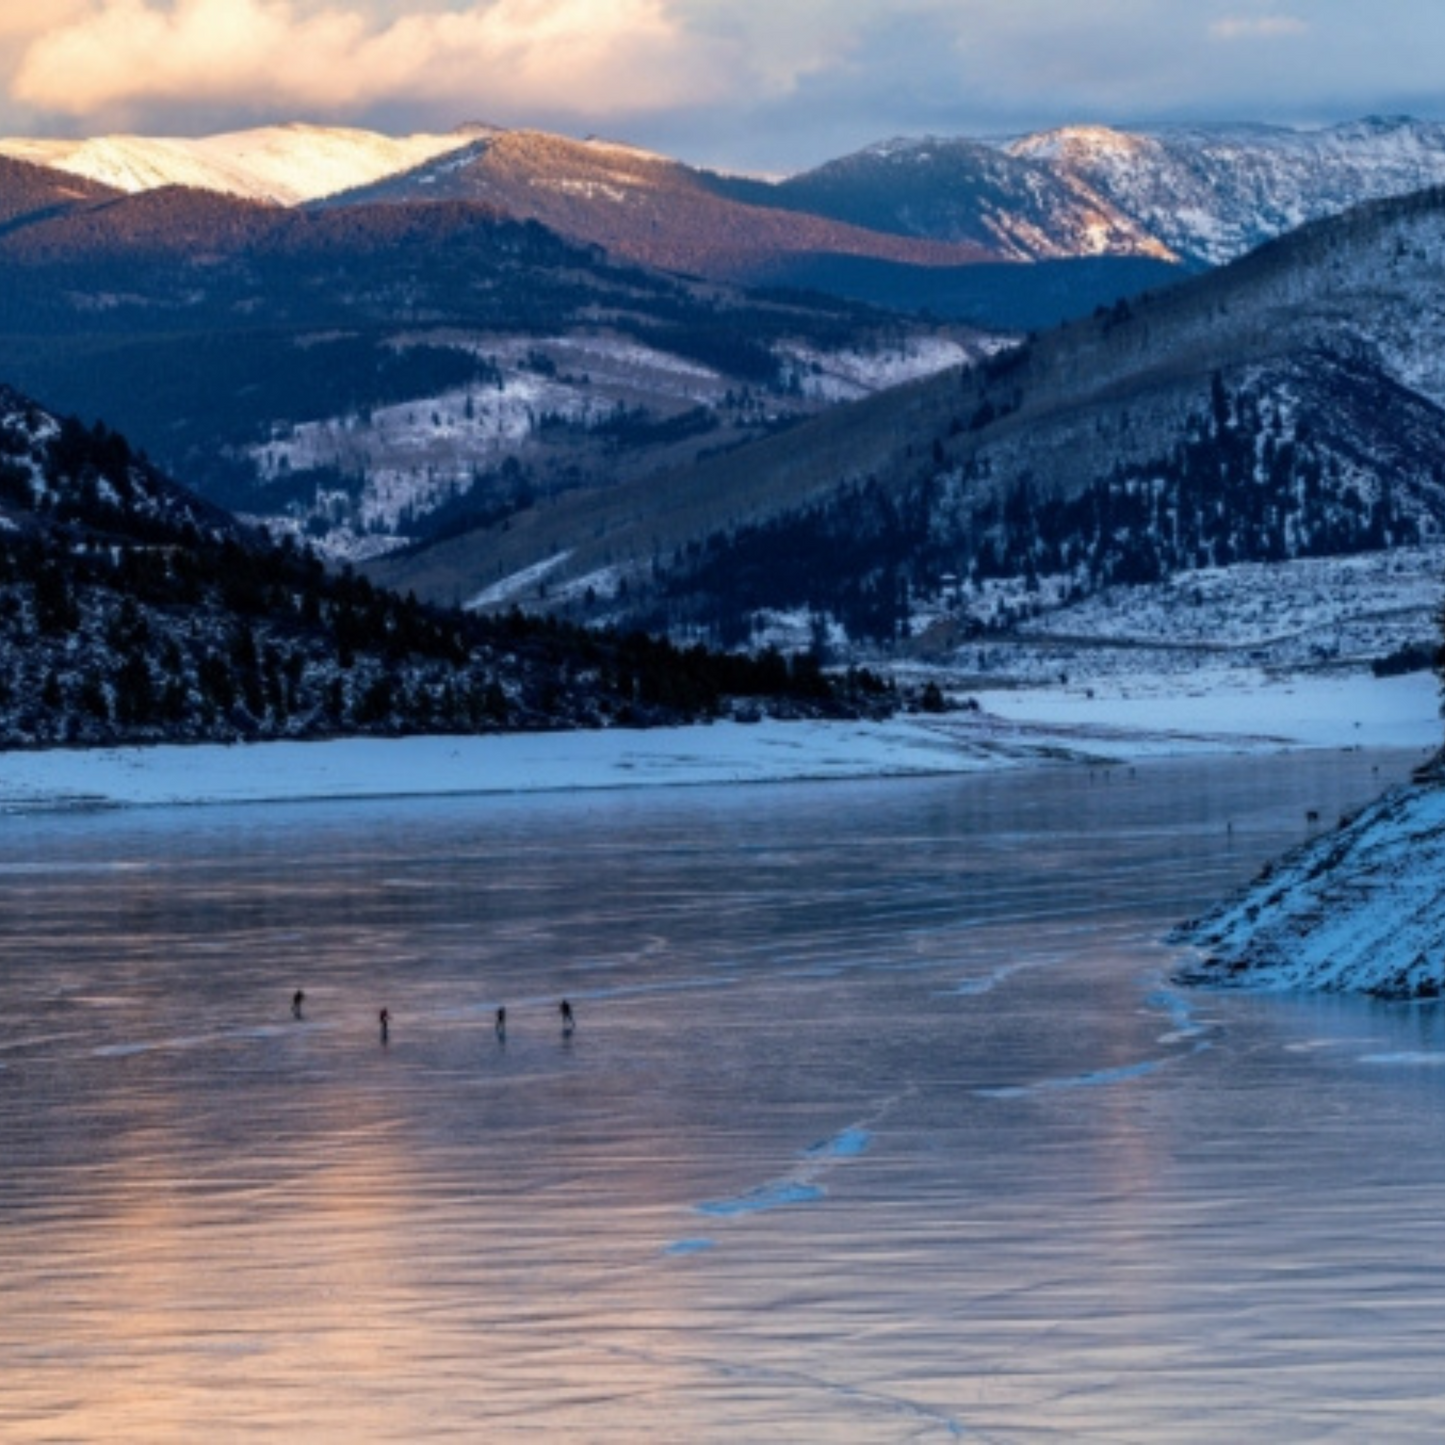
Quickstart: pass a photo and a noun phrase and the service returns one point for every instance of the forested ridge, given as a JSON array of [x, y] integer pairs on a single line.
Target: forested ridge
[[130, 610], [1250, 480]]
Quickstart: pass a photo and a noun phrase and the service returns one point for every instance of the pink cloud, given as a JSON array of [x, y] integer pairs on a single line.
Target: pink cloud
[[568, 54]]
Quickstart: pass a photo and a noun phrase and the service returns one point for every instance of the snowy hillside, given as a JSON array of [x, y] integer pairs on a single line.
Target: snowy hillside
[[132, 611], [1211, 193], [955, 189], [288, 164], [1358, 909], [403, 461], [1109, 486], [1203, 195]]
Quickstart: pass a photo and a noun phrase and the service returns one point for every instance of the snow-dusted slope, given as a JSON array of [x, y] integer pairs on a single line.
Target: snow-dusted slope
[[1203, 194], [289, 164], [1359, 909], [965, 190], [1211, 193]]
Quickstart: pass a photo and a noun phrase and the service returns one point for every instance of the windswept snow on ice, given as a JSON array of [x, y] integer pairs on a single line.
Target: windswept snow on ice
[[1358, 909]]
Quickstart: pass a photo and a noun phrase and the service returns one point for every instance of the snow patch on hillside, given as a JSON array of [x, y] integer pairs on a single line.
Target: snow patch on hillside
[[412, 456], [1305, 613], [848, 375], [1321, 614], [406, 459], [525, 581]]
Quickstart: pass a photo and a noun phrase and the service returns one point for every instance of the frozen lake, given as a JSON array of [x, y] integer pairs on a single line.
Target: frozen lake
[[881, 1122]]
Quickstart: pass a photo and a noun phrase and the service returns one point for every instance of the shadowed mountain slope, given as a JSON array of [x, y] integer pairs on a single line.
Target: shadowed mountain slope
[[1287, 405]]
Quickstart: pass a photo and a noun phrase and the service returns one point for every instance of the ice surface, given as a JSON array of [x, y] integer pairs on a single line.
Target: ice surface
[[1078, 1205]]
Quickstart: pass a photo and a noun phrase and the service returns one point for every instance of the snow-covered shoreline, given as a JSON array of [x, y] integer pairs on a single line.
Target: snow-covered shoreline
[[1225, 712], [1355, 910]]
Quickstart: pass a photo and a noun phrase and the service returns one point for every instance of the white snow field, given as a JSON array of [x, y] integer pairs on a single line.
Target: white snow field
[[1228, 712]]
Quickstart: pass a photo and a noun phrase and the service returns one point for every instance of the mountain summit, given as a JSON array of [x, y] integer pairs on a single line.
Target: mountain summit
[[287, 164], [1211, 193]]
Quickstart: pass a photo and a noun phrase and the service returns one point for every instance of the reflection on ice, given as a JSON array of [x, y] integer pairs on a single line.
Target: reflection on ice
[[1049, 1202], [194, 1041]]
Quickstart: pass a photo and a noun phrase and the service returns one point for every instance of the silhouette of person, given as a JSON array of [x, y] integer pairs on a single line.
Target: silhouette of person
[[385, 1025], [297, 999], [502, 1024], [568, 1022]]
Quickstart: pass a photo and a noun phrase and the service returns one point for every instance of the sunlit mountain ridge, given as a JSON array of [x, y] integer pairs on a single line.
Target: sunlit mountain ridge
[[288, 164], [1196, 195]]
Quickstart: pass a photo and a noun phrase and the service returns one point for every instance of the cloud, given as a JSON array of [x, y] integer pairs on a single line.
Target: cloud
[[23, 21], [128, 56], [1258, 27], [751, 83]]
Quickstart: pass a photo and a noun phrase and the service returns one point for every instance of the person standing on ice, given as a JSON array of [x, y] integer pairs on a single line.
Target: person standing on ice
[[568, 1022], [385, 1020], [297, 999], [502, 1025]]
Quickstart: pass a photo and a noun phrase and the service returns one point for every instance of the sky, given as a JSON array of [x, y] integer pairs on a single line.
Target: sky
[[765, 86]]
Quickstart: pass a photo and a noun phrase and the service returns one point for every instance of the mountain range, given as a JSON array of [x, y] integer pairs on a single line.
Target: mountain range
[[1196, 195], [377, 369], [528, 368], [1290, 405]]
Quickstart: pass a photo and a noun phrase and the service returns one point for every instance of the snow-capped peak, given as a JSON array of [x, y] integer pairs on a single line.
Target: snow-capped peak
[[1074, 143], [289, 164]]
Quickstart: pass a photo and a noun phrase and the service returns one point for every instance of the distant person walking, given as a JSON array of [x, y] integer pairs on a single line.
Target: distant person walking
[[568, 1022], [297, 999], [385, 1019], [501, 1025]]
